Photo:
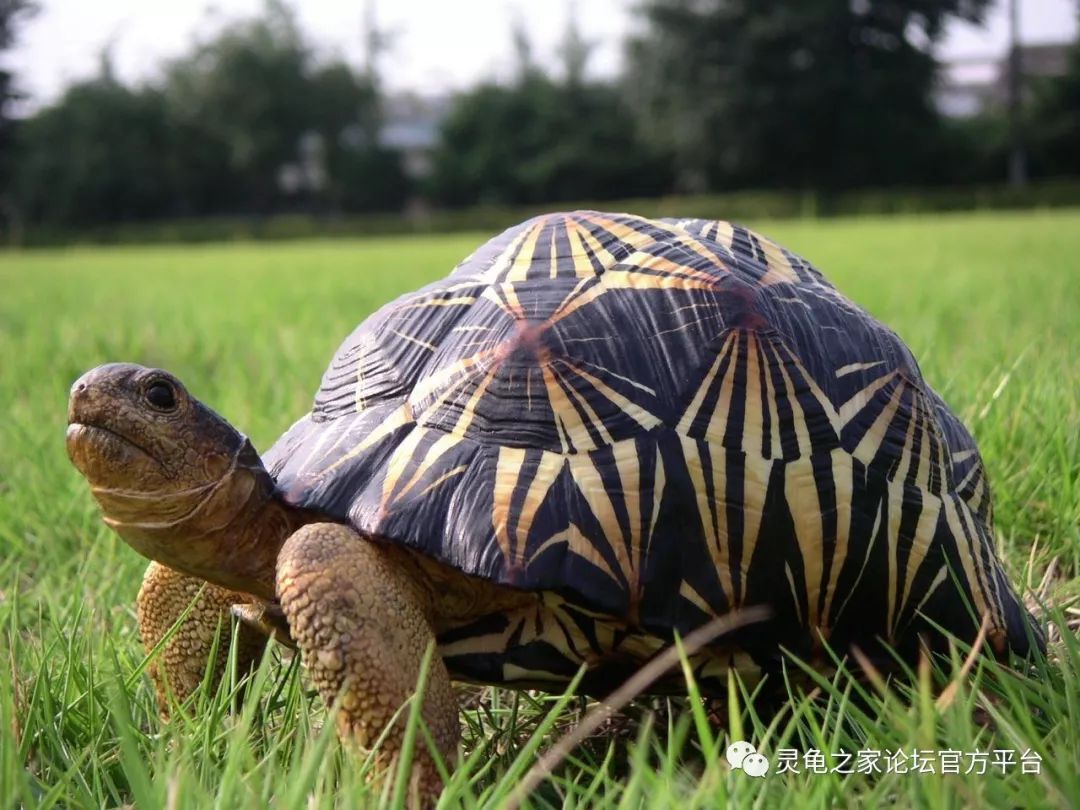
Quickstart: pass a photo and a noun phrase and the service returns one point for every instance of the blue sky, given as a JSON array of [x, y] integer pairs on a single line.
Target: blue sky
[[439, 45]]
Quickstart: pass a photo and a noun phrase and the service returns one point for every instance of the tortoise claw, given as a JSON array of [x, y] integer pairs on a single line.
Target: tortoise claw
[[268, 619]]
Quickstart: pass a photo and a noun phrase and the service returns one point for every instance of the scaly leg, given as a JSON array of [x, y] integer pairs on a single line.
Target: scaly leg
[[181, 665], [362, 625]]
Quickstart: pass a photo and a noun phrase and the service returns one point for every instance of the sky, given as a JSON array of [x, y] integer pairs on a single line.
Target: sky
[[438, 46]]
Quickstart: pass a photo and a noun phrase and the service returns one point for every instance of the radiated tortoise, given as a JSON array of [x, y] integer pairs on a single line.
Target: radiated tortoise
[[599, 430]]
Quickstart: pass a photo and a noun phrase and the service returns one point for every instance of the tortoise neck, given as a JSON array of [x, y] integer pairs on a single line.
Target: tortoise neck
[[250, 545], [229, 534]]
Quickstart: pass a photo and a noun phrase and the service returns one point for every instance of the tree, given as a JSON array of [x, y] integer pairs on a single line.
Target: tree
[[100, 154], [798, 93], [538, 142], [248, 122], [574, 52], [12, 12], [240, 103], [359, 174], [542, 141], [267, 126], [1055, 130]]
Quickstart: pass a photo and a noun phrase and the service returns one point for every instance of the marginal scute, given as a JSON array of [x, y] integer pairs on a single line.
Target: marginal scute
[[654, 422]]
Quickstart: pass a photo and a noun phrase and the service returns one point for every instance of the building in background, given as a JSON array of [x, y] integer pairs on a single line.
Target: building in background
[[411, 126], [974, 86]]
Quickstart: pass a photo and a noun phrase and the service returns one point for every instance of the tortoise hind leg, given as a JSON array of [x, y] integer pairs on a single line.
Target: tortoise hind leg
[[164, 596], [362, 625]]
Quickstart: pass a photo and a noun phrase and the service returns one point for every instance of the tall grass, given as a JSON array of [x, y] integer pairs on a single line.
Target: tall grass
[[989, 304]]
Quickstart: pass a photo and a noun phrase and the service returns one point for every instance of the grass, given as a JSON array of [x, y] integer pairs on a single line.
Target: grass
[[990, 305]]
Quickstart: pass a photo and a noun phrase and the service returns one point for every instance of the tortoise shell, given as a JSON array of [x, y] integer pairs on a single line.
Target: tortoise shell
[[654, 422]]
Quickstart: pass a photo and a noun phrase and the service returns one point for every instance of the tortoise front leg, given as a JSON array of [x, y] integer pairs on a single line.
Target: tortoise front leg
[[363, 628], [182, 663]]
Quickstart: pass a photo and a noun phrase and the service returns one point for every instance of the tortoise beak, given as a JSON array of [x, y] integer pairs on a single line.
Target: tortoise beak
[[95, 438], [77, 399], [92, 395]]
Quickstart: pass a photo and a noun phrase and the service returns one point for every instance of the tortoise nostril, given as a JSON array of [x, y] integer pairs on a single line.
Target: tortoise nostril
[[79, 390]]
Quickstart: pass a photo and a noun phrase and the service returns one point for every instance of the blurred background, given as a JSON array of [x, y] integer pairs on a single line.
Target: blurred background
[[122, 120]]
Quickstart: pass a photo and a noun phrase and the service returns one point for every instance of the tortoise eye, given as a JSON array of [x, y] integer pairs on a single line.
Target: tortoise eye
[[161, 395]]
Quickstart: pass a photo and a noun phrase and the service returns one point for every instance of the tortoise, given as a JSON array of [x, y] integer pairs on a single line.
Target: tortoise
[[598, 431]]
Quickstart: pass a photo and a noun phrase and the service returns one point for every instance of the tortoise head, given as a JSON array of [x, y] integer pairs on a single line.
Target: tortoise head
[[172, 477]]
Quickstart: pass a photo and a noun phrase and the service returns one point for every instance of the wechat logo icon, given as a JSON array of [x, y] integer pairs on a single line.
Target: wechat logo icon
[[741, 755]]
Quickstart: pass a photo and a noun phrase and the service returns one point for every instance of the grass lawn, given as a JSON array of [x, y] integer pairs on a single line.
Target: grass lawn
[[990, 305]]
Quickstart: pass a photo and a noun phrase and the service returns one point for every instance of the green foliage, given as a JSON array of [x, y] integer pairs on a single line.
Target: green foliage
[[11, 13], [101, 154], [987, 303], [821, 94], [803, 100], [241, 99], [358, 173], [249, 122], [542, 141], [1054, 128]]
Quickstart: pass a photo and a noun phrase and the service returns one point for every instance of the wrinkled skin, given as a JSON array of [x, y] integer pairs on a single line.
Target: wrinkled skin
[[185, 489], [178, 483]]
